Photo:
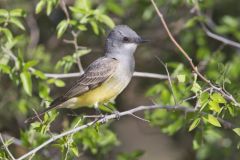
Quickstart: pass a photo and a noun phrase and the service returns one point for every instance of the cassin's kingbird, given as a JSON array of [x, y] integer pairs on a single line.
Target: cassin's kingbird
[[106, 77]]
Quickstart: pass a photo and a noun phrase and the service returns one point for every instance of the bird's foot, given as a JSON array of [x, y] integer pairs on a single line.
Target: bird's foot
[[102, 118], [117, 114]]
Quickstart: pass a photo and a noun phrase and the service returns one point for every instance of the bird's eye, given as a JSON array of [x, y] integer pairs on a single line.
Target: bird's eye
[[125, 39]]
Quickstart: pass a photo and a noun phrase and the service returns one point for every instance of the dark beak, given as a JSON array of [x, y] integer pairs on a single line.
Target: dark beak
[[141, 40]]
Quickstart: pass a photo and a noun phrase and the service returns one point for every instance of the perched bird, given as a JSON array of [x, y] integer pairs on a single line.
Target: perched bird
[[106, 77]]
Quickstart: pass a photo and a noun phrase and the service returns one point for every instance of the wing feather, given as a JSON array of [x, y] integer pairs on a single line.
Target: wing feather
[[98, 72]]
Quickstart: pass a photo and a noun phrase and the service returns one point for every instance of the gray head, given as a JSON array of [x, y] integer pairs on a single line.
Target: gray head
[[122, 40]]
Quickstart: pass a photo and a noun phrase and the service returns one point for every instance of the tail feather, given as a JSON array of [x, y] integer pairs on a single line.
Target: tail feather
[[37, 116], [53, 105]]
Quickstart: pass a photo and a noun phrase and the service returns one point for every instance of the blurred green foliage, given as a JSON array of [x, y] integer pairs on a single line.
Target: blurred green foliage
[[22, 69]]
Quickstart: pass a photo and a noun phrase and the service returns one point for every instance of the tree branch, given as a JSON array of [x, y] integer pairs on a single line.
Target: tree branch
[[6, 148], [213, 35], [64, 8], [77, 74], [13, 139], [135, 74], [226, 124], [169, 80], [74, 42], [185, 54]]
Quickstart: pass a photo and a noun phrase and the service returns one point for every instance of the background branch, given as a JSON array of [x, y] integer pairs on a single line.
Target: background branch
[[185, 54], [13, 139], [213, 35], [6, 147], [77, 74], [225, 124], [135, 74], [64, 8]]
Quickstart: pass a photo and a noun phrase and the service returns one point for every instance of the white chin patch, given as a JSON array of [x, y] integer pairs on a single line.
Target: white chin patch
[[130, 46]]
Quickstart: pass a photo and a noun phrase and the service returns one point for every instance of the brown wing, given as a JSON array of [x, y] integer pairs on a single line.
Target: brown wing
[[99, 71]]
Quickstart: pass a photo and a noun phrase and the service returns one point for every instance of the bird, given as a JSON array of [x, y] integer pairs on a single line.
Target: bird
[[105, 78]]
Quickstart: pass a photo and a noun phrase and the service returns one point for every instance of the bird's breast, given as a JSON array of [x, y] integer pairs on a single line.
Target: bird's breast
[[109, 89]]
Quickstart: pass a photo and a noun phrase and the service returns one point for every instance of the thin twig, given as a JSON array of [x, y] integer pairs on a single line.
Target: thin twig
[[75, 44], [78, 74], [35, 112], [71, 137], [219, 38], [142, 119], [176, 43], [6, 147], [135, 74], [194, 96], [14, 140], [9, 52], [92, 116], [213, 35], [64, 8], [226, 124], [169, 79], [195, 69], [151, 75]]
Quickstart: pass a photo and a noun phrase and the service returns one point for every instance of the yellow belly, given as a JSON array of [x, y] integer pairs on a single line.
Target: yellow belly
[[102, 94]]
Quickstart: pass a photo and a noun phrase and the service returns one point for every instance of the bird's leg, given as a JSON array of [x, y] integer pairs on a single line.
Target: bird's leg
[[99, 112], [114, 111], [97, 109]]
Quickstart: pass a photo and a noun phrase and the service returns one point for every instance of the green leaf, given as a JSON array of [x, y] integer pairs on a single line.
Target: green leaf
[[148, 13], [196, 87], [44, 91], [214, 106], [30, 64], [217, 97], [231, 110], [7, 33], [135, 155], [192, 22], [82, 27], [204, 99], [27, 82], [94, 27], [115, 8], [3, 12], [108, 21], [49, 7], [50, 81], [5, 69], [213, 120], [181, 78], [194, 124], [230, 21], [237, 131], [39, 74], [18, 63], [40, 6], [17, 22], [17, 13], [74, 149], [59, 83], [8, 141], [61, 28], [197, 140], [81, 52], [22, 106]]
